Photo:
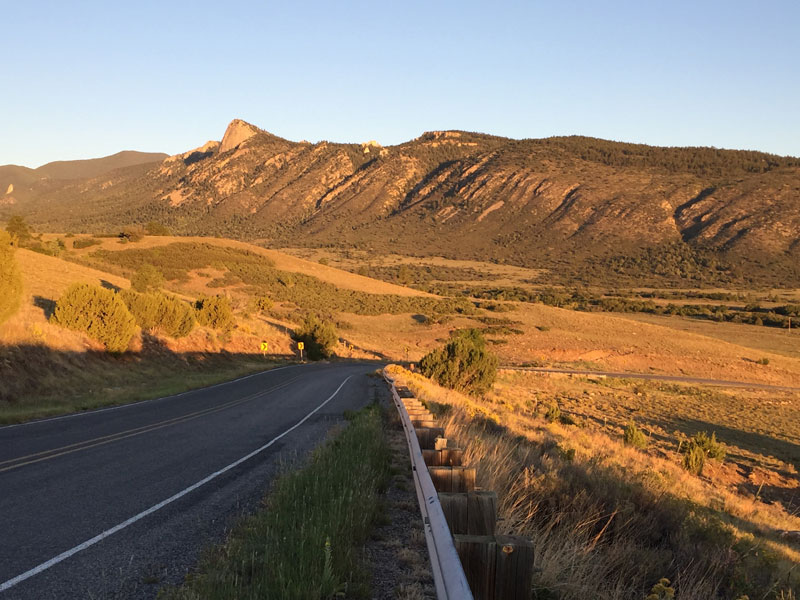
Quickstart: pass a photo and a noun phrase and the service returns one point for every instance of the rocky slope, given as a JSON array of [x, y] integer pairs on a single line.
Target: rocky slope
[[558, 201]]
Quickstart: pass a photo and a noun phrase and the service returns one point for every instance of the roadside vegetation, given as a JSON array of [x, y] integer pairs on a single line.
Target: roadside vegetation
[[611, 519], [319, 337], [37, 381], [306, 542], [10, 278], [462, 364]]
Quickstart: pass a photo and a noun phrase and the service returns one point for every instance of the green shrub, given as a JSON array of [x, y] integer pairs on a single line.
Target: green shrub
[[319, 337], [85, 243], [463, 364], [553, 413], [214, 312], [763, 361], [694, 459], [633, 436], [147, 278], [98, 312], [264, 304], [156, 228], [51, 248], [661, 591], [18, 228], [135, 233], [710, 445], [160, 312], [700, 447], [10, 278]]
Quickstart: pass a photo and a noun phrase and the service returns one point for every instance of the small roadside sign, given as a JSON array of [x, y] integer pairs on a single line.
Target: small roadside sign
[[264, 348], [300, 346]]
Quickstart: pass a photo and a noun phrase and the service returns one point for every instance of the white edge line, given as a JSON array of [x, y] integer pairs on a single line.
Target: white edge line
[[108, 532], [140, 402]]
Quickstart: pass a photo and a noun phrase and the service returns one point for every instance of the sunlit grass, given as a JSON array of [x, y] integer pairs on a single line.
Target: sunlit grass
[[609, 520]]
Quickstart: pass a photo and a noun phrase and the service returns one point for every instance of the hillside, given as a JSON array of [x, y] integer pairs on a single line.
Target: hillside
[[18, 182], [586, 209], [46, 369]]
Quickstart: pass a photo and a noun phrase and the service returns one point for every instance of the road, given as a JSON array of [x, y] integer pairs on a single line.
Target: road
[[657, 377], [117, 502]]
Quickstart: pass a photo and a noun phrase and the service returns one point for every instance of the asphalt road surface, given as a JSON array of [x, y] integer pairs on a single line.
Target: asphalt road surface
[[115, 503], [657, 377]]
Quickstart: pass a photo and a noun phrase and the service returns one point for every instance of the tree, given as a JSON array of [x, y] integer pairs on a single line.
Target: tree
[[134, 233], [10, 278], [98, 312], [19, 229], [147, 278], [214, 312], [318, 335], [160, 312], [463, 364], [156, 228]]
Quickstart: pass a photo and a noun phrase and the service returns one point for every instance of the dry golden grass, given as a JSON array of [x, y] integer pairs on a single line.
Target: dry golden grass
[[620, 344], [762, 339], [608, 520], [47, 370]]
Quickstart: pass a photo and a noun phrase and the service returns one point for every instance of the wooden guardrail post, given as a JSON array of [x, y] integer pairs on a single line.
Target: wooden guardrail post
[[453, 479], [427, 436], [497, 567], [443, 457], [471, 513]]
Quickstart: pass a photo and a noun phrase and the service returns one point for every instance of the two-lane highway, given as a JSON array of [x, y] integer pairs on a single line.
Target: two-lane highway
[[117, 502]]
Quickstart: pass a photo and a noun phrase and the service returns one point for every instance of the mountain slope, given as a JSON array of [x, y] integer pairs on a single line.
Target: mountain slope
[[559, 201], [15, 179]]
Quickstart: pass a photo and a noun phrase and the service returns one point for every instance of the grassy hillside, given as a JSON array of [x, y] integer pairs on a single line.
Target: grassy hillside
[[609, 520], [47, 364]]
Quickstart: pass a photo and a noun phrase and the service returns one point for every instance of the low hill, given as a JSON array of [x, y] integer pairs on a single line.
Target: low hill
[[16, 181], [582, 207]]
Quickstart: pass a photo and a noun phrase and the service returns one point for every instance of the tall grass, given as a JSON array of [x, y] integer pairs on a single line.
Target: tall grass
[[305, 543], [609, 521]]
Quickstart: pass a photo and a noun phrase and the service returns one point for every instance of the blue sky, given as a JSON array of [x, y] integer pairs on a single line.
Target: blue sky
[[86, 79]]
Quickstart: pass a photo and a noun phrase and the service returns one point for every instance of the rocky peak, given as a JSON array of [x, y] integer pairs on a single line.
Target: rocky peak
[[237, 132]]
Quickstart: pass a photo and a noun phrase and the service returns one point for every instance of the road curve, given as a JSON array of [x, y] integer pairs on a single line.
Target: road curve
[[116, 503], [657, 377]]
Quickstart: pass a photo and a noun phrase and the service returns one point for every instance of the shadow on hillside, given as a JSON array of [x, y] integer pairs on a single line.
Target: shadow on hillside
[[757, 443], [109, 286], [35, 375], [656, 523], [47, 305]]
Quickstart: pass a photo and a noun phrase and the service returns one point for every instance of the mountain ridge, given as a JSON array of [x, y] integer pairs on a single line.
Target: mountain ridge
[[539, 202]]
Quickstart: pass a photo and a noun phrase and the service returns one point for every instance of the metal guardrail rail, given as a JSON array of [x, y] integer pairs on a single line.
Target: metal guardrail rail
[[448, 574]]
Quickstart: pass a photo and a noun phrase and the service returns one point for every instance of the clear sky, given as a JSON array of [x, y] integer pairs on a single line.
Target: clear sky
[[83, 79]]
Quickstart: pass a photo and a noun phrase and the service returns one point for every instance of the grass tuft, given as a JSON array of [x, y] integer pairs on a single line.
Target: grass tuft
[[304, 544]]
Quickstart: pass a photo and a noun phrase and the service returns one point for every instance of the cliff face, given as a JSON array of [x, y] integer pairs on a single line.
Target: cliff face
[[453, 193]]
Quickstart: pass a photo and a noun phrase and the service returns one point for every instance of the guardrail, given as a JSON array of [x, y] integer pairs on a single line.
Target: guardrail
[[448, 573]]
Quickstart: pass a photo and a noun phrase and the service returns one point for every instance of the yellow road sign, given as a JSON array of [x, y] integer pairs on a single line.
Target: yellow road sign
[[264, 346], [300, 345]]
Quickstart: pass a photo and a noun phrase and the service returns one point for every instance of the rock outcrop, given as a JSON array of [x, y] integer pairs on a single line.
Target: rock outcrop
[[237, 132]]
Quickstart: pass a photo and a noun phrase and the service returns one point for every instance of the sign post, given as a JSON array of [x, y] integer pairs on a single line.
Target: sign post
[[264, 348], [301, 346]]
